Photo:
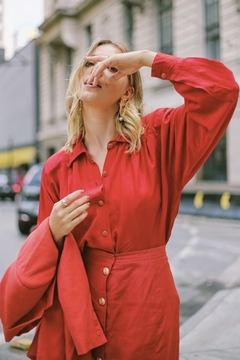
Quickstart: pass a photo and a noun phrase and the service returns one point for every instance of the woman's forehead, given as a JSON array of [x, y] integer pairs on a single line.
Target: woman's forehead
[[106, 50]]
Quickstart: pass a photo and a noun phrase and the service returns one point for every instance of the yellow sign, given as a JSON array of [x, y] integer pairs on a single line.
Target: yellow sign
[[198, 199], [14, 157]]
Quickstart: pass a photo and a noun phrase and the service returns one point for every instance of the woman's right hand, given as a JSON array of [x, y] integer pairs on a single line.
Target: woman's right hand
[[66, 214]]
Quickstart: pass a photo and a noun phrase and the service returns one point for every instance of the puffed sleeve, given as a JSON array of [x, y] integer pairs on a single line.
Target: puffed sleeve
[[27, 287], [188, 134]]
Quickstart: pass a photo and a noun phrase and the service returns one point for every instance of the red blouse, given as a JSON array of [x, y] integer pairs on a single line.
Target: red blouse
[[135, 200]]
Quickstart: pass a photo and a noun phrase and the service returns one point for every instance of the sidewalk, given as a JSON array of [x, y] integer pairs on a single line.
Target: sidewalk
[[213, 333]]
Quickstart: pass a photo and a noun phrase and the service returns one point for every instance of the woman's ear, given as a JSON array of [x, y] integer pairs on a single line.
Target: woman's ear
[[128, 93]]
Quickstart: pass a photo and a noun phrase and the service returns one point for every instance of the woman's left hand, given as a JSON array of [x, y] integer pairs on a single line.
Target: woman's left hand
[[123, 64]]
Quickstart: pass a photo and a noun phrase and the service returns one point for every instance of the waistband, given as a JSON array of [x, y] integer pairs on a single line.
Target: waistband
[[138, 255]]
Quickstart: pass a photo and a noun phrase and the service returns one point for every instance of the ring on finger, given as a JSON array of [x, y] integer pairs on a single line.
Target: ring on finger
[[64, 203]]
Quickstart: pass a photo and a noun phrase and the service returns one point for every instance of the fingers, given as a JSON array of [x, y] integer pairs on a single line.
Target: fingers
[[71, 197], [101, 64], [67, 214], [79, 207], [77, 204]]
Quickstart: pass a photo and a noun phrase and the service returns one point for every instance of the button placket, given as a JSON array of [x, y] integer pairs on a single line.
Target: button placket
[[101, 299]]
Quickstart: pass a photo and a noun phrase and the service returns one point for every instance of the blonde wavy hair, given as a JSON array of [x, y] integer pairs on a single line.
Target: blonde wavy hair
[[130, 128]]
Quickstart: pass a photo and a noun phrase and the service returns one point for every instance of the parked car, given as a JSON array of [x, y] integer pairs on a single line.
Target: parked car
[[28, 199], [8, 189]]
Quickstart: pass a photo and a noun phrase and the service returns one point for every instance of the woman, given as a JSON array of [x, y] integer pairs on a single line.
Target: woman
[[113, 193]]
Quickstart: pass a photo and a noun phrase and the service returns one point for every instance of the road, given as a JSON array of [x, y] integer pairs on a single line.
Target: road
[[10, 239], [204, 255]]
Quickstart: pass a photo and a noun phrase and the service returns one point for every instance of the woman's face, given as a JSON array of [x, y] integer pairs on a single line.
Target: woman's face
[[103, 96]]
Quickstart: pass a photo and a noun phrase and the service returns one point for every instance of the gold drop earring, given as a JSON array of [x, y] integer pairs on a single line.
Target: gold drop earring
[[122, 105]]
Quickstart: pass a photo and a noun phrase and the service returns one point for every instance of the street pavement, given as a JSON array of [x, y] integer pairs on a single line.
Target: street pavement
[[213, 333], [206, 268], [204, 255]]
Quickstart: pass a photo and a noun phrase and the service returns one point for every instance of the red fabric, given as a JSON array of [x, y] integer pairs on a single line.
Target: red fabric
[[141, 314], [68, 323], [134, 203]]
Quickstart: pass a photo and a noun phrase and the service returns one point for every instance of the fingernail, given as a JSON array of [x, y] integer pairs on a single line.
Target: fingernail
[[81, 191]]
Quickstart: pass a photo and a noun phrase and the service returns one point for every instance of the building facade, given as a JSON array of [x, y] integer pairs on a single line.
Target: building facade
[[19, 104], [202, 28]]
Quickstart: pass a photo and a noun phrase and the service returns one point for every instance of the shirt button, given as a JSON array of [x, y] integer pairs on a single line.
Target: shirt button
[[163, 75], [99, 333], [110, 146], [106, 271], [104, 173], [95, 322], [104, 233], [102, 301], [100, 202]]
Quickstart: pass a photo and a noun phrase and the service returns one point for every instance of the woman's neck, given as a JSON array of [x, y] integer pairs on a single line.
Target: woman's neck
[[99, 129]]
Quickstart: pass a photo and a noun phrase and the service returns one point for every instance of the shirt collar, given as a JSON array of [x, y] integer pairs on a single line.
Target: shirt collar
[[79, 148]]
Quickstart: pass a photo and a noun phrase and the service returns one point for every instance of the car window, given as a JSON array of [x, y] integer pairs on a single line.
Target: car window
[[36, 178], [33, 176]]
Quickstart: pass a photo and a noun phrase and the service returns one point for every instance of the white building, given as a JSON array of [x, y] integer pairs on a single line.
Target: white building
[[204, 28]]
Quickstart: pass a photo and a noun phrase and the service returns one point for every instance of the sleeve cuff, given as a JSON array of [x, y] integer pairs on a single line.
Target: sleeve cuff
[[165, 66]]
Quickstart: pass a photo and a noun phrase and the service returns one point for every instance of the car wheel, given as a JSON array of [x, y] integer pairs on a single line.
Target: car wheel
[[23, 228]]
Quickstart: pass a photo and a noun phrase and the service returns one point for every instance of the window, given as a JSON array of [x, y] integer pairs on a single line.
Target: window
[[165, 10], [129, 23], [50, 151], [215, 168], [88, 31], [212, 29]]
